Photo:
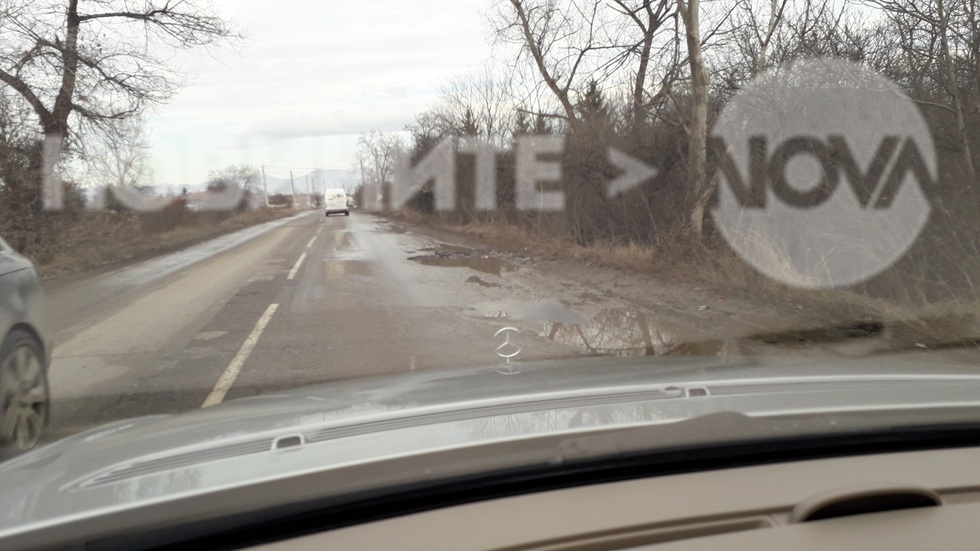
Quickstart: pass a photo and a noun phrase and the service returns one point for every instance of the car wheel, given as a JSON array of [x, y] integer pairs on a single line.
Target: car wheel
[[24, 393], [346, 213]]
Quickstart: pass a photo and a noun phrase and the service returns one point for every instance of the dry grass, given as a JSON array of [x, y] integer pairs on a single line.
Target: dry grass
[[104, 238]]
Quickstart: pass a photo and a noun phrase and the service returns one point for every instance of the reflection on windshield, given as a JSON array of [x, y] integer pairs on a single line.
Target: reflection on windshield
[[565, 419]]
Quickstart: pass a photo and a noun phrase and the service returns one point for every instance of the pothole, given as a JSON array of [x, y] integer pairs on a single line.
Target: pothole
[[460, 257]]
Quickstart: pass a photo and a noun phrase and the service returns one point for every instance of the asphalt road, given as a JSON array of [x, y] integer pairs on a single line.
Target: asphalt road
[[298, 301]]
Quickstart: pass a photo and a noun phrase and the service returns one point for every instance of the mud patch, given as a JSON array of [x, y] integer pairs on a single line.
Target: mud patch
[[825, 335], [480, 282], [588, 297], [533, 312], [449, 250]]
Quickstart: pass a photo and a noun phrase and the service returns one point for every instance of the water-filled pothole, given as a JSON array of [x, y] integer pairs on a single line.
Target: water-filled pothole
[[457, 257]]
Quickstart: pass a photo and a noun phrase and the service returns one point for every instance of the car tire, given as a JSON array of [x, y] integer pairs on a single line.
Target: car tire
[[25, 398], [346, 213]]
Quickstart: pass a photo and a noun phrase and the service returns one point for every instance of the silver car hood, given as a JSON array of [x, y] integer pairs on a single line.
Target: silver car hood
[[340, 427]]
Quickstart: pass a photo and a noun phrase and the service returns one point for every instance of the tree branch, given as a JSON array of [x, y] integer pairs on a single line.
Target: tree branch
[[25, 91]]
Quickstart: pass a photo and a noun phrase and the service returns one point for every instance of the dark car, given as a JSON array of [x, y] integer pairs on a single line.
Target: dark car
[[24, 355]]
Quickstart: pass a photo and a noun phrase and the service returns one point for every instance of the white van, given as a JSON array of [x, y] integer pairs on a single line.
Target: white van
[[335, 200]]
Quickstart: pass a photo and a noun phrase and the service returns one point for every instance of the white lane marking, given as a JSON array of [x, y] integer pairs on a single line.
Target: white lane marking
[[318, 230], [310, 244], [231, 372], [299, 262]]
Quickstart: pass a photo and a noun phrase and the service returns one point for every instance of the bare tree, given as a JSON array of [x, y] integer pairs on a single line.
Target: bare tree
[[235, 186], [937, 19], [648, 18], [759, 22], [97, 60], [245, 176], [477, 104], [620, 44], [559, 39], [122, 158], [118, 164], [375, 159]]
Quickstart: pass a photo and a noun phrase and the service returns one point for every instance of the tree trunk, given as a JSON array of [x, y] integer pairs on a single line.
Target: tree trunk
[[954, 90], [639, 113], [55, 124], [697, 127]]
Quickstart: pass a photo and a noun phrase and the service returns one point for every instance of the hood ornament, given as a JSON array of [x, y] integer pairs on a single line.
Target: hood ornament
[[507, 343]]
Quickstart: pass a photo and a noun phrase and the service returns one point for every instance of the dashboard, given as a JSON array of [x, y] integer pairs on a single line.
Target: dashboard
[[896, 501]]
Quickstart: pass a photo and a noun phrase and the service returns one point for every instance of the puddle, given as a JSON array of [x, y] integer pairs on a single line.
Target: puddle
[[638, 332], [613, 331], [342, 240], [345, 248], [630, 332], [338, 270], [485, 264]]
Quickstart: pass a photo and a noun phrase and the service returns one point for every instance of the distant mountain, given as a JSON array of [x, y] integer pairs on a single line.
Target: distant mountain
[[321, 179]]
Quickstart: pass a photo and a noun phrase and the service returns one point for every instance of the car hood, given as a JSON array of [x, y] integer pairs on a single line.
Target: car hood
[[342, 425]]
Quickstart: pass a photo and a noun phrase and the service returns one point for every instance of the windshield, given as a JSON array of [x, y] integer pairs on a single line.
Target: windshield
[[227, 200]]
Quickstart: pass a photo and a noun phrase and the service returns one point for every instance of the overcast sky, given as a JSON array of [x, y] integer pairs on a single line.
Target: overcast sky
[[311, 76]]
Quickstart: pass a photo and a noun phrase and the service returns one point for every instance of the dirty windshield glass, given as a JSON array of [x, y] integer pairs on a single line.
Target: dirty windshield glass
[[218, 200]]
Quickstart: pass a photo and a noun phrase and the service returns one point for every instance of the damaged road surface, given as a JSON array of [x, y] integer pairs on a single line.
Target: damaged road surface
[[314, 299]]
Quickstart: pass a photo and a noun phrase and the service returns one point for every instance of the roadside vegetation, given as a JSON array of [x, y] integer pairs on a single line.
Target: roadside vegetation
[[650, 77], [76, 79], [103, 238]]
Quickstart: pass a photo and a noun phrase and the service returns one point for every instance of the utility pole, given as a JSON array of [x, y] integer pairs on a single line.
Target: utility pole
[[265, 187], [292, 184]]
